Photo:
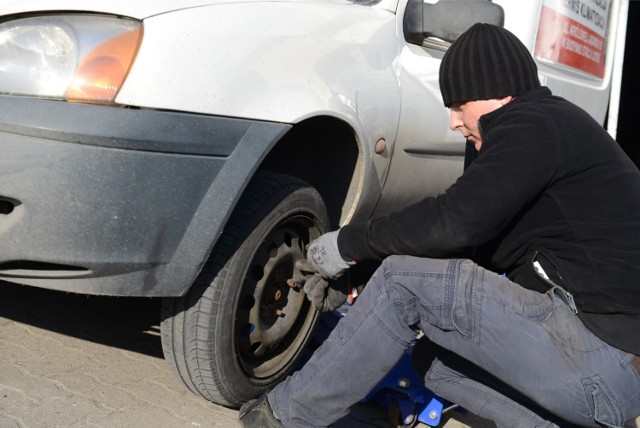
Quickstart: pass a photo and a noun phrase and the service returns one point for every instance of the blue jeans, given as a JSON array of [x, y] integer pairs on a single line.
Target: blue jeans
[[530, 341]]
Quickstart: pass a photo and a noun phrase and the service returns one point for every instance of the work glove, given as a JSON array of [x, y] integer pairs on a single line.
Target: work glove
[[324, 257], [323, 295]]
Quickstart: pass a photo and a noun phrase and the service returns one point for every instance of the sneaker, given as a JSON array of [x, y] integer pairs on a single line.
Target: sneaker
[[258, 414]]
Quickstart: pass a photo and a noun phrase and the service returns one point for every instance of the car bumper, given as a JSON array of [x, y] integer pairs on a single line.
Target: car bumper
[[118, 201]]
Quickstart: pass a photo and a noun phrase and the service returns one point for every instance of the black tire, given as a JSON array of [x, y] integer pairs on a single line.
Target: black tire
[[226, 339]]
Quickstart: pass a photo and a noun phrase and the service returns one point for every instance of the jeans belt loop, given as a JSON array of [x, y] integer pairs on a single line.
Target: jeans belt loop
[[567, 297]]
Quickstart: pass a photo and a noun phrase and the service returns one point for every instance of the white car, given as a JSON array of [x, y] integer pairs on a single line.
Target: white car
[[190, 149]]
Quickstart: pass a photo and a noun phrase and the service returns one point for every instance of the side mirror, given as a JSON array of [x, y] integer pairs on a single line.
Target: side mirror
[[447, 19]]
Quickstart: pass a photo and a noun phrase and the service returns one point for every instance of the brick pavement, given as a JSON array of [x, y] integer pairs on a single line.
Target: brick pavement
[[83, 361], [77, 361], [69, 360]]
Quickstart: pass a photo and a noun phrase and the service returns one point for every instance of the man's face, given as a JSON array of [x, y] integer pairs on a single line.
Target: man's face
[[465, 116]]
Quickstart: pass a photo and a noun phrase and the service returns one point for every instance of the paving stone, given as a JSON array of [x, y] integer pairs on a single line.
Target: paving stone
[[68, 360]]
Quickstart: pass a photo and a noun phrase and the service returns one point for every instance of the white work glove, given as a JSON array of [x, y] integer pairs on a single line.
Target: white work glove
[[324, 296], [325, 258]]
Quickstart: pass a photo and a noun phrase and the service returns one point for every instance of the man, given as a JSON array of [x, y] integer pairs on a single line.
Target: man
[[550, 201]]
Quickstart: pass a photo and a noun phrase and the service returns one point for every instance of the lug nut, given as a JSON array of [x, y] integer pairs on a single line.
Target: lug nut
[[292, 283]]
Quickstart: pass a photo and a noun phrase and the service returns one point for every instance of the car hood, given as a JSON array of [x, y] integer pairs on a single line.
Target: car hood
[[135, 9]]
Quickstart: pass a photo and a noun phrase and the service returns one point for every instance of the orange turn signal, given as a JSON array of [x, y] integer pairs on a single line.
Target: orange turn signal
[[101, 73]]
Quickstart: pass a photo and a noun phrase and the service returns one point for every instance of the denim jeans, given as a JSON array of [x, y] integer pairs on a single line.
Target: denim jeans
[[530, 341]]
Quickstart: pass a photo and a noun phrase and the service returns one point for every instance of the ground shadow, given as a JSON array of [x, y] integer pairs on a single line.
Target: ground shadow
[[127, 323]]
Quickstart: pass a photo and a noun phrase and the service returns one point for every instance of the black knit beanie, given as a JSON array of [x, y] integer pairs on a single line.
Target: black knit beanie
[[486, 62]]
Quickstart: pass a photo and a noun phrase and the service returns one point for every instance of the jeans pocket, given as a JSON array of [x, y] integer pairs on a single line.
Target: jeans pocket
[[538, 307], [568, 332], [605, 409], [466, 294]]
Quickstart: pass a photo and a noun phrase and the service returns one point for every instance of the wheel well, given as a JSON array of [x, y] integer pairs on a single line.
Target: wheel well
[[323, 152]]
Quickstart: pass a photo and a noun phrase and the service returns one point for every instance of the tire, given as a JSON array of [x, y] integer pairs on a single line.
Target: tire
[[240, 329]]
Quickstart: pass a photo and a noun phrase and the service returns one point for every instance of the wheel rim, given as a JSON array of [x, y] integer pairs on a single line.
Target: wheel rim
[[274, 319]]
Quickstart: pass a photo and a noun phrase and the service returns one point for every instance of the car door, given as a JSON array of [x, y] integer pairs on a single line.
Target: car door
[[427, 156]]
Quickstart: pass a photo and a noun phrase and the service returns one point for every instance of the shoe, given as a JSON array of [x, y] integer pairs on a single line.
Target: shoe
[[258, 414]]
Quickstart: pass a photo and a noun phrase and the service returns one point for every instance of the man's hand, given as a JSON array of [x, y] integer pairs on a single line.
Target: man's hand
[[324, 296], [324, 256]]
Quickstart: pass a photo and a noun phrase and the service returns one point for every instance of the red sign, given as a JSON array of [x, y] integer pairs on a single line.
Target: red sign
[[566, 41]]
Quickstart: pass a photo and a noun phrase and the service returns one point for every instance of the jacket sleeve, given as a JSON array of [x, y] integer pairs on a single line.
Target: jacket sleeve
[[520, 157]]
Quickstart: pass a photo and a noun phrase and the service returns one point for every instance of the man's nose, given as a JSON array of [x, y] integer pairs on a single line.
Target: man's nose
[[454, 120]]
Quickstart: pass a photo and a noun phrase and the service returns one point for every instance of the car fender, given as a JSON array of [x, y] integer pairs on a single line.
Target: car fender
[[335, 59]]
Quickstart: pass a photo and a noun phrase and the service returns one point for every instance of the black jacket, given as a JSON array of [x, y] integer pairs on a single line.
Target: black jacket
[[548, 183]]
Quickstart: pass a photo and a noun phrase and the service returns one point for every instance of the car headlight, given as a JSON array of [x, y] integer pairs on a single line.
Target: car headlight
[[82, 58]]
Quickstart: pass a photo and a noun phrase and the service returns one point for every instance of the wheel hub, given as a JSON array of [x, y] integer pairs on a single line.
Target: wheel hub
[[274, 313]]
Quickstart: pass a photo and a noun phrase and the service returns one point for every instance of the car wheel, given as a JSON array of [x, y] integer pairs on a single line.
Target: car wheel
[[241, 328]]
